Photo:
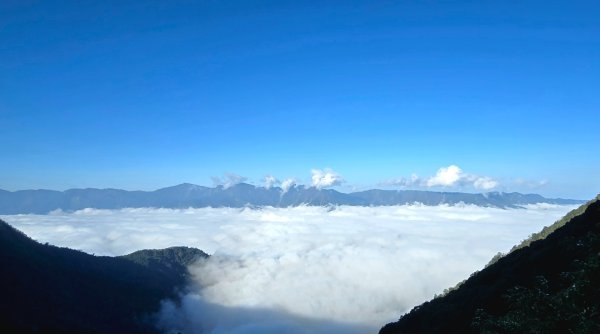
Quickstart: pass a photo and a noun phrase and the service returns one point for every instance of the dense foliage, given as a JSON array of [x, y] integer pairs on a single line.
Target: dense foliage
[[170, 262], [548, 284], [47, 289], [567, 303]]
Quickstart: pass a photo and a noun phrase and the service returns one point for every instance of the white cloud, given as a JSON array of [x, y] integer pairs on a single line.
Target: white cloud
[[325, 178], [446, 177], [413, 181], [230, 179], [485, 183], [287, 184], [530, 184], [302, 269], [271, 181]]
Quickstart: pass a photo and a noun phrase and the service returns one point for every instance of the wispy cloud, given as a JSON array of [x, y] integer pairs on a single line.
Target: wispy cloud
[[229, 180], [413, 181], [287, 184], [531, 184], [271, 181], [484, 183]]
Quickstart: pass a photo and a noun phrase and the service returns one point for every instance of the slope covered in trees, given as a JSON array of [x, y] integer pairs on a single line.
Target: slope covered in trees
[[547, 284], [47, 289]]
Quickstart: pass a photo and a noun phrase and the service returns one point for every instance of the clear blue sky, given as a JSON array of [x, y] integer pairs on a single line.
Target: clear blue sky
[[146, 94]]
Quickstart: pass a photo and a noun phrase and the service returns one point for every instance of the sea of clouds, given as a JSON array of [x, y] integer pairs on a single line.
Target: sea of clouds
[[303, 269]]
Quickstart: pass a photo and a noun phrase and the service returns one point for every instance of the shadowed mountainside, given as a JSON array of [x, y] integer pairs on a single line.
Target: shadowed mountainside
[[189, 195], [547, 284], [47, 289]]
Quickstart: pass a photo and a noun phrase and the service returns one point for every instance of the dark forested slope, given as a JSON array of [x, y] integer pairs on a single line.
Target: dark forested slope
[[47, 289], [549, 284]]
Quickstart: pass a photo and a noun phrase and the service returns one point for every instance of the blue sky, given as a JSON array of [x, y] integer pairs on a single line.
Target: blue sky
[[140, 96]]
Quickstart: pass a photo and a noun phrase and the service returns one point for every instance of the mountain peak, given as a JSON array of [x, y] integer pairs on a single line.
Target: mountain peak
[[183, 187], [188, 185]]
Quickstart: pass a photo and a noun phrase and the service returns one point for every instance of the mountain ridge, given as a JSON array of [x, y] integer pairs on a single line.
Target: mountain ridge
[[49, 289], [42, 201], [546, 284]]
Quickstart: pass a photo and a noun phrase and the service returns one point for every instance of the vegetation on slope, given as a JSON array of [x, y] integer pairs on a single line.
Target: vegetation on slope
[[558, 224], [170, 262], [548, 284], [47, 289]]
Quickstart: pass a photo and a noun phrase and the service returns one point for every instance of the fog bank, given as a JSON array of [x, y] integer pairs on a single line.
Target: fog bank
[[302, 269]]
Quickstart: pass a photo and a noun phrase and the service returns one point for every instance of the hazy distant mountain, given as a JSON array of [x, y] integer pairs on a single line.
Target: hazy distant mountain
[[47, 289], [243, 194], [547, 284]]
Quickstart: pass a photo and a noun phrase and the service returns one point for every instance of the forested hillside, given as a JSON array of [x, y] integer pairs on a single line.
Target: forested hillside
[[47, 289], [548, 284]]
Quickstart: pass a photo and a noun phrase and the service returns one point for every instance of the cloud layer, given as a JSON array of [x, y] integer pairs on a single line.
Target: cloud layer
[[315, 269]]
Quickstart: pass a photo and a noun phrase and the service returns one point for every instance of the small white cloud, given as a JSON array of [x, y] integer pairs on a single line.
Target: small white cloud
[[485, 183], [325, 178], [287, 184], [271, 181], [413, 181], [450, 176], [454, 176], [446, 176], [230, 180], [531, 184]]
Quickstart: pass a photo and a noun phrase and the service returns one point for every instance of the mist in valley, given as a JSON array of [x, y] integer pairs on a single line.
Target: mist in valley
[[301, 269]]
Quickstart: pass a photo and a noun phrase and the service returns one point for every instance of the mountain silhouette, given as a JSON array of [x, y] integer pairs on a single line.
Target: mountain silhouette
[[547, 284], [47, 289], [189, 195]]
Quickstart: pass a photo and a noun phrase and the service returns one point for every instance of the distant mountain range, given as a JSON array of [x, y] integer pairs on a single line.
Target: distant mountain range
[[243, 194]]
